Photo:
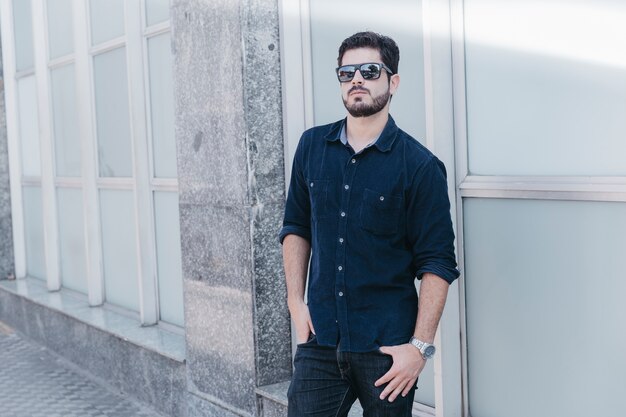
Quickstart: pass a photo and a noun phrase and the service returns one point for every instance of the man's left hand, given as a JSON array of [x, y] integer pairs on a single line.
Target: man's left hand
[[407, 365]]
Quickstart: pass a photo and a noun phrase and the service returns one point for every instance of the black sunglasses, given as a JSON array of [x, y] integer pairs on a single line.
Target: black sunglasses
[[369, 71]]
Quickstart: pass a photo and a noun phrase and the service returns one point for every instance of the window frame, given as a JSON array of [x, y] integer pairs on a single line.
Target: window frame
[[142, 183]]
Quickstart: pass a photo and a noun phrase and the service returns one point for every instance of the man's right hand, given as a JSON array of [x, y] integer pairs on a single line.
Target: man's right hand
[[301, 321]]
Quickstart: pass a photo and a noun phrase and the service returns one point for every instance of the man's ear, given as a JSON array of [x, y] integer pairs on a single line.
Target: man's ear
[[394, 83]]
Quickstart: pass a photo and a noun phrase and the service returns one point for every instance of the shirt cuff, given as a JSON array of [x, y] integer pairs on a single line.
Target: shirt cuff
[[303, 232], [446, 273]]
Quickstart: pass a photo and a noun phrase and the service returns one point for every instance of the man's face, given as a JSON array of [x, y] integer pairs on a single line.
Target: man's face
[[363, 97]]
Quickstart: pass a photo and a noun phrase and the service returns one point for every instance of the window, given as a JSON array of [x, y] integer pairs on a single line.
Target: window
[[90, 112], [543, 186]]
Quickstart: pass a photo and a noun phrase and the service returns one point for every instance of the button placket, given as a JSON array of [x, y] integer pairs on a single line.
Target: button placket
[[340, 259]]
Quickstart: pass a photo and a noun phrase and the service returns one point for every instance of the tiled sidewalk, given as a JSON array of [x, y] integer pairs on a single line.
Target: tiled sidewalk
[[36, 383]]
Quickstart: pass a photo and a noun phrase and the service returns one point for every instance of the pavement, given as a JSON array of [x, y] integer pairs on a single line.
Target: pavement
[[35, 382]]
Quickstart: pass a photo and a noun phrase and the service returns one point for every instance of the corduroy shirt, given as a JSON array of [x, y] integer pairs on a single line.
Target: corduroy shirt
[[376, 221]]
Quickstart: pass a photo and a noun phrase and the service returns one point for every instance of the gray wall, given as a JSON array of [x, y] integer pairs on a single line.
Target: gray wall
[[6, 234], [231, 182]]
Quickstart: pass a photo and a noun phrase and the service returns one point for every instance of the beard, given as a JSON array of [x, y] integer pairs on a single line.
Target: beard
[[361, 109]]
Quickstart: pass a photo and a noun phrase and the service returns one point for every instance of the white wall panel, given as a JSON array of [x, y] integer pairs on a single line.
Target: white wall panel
[[546, 87], [544, 296]]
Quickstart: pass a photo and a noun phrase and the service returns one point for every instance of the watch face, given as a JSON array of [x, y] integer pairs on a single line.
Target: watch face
[[429, 352]]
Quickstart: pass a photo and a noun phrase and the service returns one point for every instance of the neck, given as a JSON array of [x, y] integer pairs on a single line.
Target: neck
[[361, 131]]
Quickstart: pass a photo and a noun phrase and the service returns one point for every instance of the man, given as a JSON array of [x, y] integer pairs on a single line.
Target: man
[[368, 206]]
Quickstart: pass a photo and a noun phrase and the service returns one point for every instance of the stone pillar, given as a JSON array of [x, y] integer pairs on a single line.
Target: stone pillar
[[6, 234], [231, 182]]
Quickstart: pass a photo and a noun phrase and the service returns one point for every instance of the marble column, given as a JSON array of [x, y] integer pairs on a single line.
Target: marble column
[[231, 182], [6, 234]]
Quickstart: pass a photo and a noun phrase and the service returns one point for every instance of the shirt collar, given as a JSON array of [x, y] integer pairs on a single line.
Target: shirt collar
[[383, 142]]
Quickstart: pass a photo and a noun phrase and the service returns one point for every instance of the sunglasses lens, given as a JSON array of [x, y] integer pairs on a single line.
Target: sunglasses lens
[[346, 73], [370, 71]]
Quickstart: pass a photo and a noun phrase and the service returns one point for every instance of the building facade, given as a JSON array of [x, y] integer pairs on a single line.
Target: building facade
[[145, 149]]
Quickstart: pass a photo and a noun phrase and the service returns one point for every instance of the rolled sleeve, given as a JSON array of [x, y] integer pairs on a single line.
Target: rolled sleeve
[[297, 219], [430, 230]]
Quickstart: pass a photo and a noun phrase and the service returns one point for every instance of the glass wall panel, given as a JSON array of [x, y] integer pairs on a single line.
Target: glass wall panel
[[168, 257], [66, 143], [112, 114], [29, 126], [119, 247], [162, 106], [332, 21], [72, 239], [157, 11], [107, 20], [23, 28], [546, 87], [544, 300], [60, 27], [33, 232]]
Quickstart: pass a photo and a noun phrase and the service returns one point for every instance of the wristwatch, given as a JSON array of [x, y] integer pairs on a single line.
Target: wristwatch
[[427, 349]]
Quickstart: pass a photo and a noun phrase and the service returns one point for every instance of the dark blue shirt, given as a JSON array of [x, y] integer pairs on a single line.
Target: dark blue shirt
[[376, 220]]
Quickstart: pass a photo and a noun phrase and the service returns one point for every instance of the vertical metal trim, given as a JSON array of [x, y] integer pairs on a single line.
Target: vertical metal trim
[[89, 158], [439, 91], [296, 75], [429, 110], [48, 191], [307, 63], [429, 98], [460, 99], [291, 79], [144, 211], [13, 143], [297, 81], [461, 145]]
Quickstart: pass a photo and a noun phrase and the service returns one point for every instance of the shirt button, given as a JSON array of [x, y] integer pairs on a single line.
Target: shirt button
[[340, 267], [340, 294], [312, 184], [343, 214], [346, 186], [382, 198], [340, 240], [353, 161]]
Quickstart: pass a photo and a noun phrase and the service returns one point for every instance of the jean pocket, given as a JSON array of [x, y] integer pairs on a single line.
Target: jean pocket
[[311, 340], [380, 213]]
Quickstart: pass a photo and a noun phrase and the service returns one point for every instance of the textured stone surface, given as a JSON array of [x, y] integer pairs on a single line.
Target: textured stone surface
[[269, 408], [200, 407], [263, 102], [210, 119], [273, 328], [220, 344], [215, 243], [266, 163], [231, 181], [6, 234], [141, 373]]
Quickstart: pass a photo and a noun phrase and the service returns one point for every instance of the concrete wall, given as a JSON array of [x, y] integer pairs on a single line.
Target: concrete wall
[[6, 234], [231, 182]]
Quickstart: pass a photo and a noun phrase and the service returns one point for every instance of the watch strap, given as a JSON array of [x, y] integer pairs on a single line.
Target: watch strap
[[421, 346]]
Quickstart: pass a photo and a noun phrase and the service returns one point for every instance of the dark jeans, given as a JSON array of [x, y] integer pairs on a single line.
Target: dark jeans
[[327, 382]]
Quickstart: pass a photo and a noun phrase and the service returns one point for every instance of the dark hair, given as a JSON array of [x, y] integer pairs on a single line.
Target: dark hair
[[386, 46]]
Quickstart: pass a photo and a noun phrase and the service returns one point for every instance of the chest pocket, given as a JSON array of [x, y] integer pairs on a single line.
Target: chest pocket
[[380, 213], [318, 193]]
